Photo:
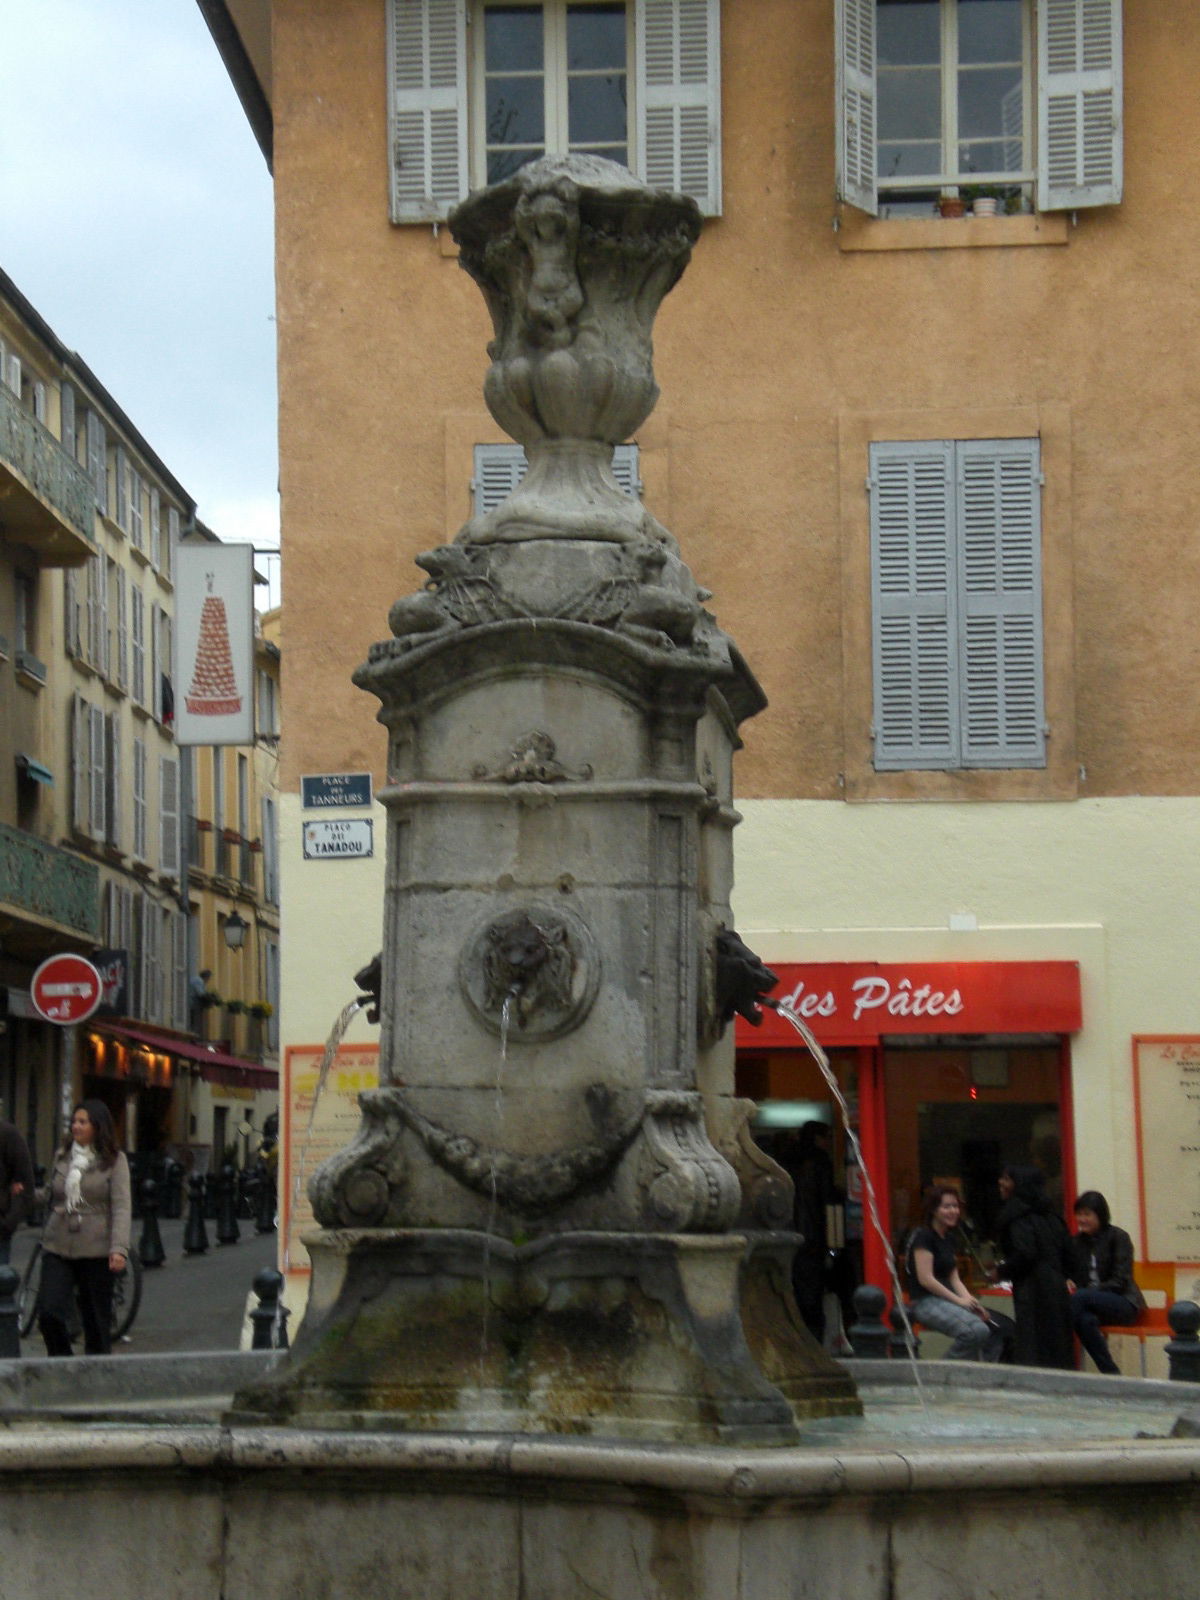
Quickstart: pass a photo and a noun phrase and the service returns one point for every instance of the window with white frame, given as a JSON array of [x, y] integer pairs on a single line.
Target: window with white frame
[[499, 468], [137, 645], [478, 88], [957, 604], [139, 799], [1016, 101]]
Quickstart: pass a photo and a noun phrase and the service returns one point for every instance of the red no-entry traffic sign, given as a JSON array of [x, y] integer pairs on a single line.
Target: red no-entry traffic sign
[[66, 989]]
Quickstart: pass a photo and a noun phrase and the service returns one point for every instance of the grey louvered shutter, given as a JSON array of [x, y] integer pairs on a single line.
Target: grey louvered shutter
[[499, 468], [139, 799], [1000, 603], [855, 96], [427, 107], [71, 640], [81, 767], [625, 469], [137, 646], [112, 779], [913, 603], [122, 489], [1080, 159], [168, 807], [97, 460], [98, 825], [121, 662], [66, 419], [678, 48]]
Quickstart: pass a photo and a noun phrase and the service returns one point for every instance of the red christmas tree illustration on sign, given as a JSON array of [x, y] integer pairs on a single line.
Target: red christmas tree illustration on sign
[[214, 691]]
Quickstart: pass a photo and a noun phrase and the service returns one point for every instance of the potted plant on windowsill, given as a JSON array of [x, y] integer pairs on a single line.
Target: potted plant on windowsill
[[234, 1008], [261, 1009], [951, 204]]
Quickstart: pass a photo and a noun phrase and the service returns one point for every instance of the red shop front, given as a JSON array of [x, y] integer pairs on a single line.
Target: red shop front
[[949, 1069]]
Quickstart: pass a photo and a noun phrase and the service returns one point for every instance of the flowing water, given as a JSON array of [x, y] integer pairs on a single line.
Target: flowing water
[[336, 1034], [506, 1011], [822, 1060]]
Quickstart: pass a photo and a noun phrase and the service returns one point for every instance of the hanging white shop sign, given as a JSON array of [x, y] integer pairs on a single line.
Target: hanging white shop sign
[[214, 644]]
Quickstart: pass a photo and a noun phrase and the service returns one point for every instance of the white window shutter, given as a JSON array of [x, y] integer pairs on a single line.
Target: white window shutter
[[1000, 603], [39, 401], [112, 779], [71, 638], [856, 101], [97, 460], [66, 419], [1080, 161], [679, 97], [122, 489], [121, 664], [139, 799], [13, 375], [105, 574], [81, 766], [137, 646], [137, 529], [155, 528], [98, 827], [168, 807], [913, 600], [427, 107], [167, 552], [95, 580]]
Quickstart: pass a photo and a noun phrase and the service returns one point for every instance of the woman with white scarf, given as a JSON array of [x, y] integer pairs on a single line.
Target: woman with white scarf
[[87, 1233]]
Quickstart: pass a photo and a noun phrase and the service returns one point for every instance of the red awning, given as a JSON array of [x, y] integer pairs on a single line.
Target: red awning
[[215, 1066]]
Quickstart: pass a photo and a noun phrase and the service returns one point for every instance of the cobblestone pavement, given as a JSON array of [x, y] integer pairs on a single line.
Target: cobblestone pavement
[[190, 1302]]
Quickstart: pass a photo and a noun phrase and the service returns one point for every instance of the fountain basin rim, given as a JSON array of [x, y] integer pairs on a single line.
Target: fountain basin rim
[[726, 1474]]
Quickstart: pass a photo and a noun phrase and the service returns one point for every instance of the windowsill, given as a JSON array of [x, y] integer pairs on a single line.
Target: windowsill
[[29, 680], [858, 231]]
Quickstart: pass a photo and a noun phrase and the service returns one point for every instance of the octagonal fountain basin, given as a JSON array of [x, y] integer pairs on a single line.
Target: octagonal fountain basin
[[1007, 1482]]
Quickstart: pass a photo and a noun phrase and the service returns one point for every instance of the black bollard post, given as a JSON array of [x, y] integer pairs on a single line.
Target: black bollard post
[[898, 1339], [10, 1316], [228, 1231], [150, 1245], [270, 1314], [869, 1335], [172, 1190], [264, 1216], [195, 1234], [1183, 1351]]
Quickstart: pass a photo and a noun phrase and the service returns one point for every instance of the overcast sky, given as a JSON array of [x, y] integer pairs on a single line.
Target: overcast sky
[[135, 215]]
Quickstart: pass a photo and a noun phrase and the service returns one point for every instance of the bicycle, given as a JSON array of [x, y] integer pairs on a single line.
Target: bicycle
[[127, 1295]]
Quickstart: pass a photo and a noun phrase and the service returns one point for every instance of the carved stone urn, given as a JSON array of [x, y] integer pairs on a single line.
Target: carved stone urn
[[552, 1218]]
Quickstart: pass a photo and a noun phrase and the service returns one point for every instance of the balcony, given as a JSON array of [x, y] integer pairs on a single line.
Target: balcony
[[47, 883], [46, 498]]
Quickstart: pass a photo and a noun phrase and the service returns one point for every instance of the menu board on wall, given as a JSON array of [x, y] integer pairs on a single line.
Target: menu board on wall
[[1166, 1084], [313, 1133]]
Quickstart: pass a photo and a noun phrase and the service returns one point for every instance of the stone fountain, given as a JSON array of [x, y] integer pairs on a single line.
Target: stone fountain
[[553, 1219]]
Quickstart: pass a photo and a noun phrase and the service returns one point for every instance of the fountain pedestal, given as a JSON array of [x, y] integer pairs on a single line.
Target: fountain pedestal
[[551, 1219]]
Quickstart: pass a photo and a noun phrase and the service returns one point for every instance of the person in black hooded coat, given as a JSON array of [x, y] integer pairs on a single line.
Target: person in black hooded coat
[[1037, 1261]]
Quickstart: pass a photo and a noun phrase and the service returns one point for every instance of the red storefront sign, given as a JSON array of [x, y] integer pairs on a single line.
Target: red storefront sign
[[853, 1002]]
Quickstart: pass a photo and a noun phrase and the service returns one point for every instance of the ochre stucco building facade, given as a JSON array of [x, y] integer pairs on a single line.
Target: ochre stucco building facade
[[1049, 348]]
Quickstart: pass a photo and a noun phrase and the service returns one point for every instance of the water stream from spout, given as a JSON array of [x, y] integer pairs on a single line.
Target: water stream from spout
[[506, 1011], [336, 1034], [822, 1060]]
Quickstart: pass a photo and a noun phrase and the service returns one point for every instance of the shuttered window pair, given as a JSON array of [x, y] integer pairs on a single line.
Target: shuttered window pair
[[957, 604], [460, 81], [909, 106], [499, 468]]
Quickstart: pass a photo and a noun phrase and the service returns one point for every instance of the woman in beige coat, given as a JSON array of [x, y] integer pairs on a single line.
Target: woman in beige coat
[[87, 1233]]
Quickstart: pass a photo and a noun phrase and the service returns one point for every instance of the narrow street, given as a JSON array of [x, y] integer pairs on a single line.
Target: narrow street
[[190, 1302]]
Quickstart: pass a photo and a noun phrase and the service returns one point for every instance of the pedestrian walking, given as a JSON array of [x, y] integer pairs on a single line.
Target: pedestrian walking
[[16, 1186], [1102, 1274], [86, 1239], [1037, 1262]]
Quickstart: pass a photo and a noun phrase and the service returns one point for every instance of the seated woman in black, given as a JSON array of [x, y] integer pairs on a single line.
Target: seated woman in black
[[1102, 1275], [940, 1299]]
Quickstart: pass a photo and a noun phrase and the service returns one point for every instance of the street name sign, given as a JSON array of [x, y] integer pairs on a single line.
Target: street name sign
[[339, 840], [335, 789]]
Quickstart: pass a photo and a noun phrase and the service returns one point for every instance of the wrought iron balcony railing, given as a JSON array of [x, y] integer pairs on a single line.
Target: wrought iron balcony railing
[[49, 882], [57, 513]]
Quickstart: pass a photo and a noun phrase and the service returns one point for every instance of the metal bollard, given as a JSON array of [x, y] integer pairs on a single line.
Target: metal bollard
[[172, 1190], [869, 1335], [228, 1231], [150, 1245], [10, 1316], [195, 1234], [1183, 1351], [898, 1339], [270, 1315]]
